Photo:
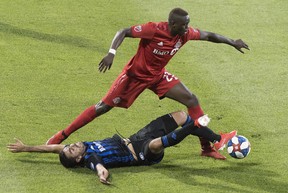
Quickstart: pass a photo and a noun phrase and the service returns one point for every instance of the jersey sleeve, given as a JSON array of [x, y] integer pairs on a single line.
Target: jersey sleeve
[[193, 34], [145, 31], [92, 160]]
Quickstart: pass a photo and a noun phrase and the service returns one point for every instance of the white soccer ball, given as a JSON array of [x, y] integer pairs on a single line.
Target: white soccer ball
[[238, 147]]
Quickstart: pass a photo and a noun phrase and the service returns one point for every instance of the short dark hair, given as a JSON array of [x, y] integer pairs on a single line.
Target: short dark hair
[[67, 162], [177, 11]]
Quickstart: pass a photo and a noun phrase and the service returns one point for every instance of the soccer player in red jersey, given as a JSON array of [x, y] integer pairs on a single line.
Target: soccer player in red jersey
[[159, 42]]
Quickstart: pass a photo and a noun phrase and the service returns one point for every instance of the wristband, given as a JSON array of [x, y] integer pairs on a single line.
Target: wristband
[[112, 51]]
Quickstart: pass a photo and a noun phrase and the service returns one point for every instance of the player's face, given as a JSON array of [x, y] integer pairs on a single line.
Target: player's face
[[180, 25], [74, 150]]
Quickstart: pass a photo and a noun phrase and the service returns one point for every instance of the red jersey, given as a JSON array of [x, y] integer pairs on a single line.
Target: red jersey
[[156, 48]]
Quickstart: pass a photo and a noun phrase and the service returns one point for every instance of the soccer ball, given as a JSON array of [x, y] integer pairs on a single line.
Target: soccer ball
[[238, 147]]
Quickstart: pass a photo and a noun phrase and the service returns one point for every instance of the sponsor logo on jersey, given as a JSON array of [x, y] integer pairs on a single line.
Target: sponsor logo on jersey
[[99, 146], [163, 52], [138, 28], [160, 52]]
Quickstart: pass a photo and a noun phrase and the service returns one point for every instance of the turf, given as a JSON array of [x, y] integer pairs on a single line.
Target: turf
[[49, 54]]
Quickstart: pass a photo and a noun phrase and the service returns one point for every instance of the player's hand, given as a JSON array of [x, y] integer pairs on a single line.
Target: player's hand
[[103, 174], [106, 63], [238, 44], [16, 147]]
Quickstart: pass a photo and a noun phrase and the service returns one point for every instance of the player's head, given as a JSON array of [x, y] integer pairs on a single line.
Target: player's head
[[72, 155], [178, 21]]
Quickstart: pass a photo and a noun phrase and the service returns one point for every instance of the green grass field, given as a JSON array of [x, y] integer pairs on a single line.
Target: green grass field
[[49, 54]]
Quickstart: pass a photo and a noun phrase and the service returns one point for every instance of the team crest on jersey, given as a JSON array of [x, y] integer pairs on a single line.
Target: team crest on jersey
[[178, 44], [138, 28]]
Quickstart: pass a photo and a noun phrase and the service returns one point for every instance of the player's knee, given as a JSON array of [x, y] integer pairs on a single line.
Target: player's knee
[[102, 108], [153, 156], [155, 146], [180, 117], [191, 101], [183, 117]]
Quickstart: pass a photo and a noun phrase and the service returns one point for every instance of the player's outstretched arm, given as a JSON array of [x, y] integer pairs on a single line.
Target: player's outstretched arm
[[216, 38], [19, 146], [103, 174], [107, 61]]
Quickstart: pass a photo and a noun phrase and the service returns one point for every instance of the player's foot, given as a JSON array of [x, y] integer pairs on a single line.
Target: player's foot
[[224, 139], [57, 138], [212, 153]]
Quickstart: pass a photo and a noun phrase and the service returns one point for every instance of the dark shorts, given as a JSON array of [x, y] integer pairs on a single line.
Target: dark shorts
[[140, 140]]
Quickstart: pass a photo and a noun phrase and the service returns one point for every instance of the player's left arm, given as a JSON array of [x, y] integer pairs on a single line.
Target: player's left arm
[[19, 147], [95, 163], [216, 38], [103, 174]]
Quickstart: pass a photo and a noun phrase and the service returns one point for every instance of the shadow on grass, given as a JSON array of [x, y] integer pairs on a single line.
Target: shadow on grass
[[237, 177], [37, 161], [68, 40], [245, 175]]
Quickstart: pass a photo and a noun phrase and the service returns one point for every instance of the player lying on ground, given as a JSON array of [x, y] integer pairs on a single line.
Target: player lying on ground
[[159, 42], [146, 147]]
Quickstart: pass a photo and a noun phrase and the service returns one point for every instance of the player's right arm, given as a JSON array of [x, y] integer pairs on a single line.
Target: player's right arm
[[145, 31], [107, 61], [19, 146]]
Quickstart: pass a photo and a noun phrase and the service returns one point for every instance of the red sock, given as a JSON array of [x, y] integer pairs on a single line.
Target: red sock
[[85, 117], [195, 112]]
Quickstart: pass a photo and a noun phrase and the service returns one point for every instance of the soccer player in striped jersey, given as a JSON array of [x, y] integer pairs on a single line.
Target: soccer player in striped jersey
[[159, 42], [146, 147]]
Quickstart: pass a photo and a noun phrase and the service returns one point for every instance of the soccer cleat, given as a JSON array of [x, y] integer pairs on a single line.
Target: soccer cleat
[[211, 152], [57, 138], [224, 140], [202, 121]]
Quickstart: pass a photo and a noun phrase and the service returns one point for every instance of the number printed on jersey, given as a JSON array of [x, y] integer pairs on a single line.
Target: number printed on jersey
[[169, 77]]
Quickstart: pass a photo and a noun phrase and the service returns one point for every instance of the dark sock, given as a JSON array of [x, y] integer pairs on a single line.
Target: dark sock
[[175, 137], [205, 134]]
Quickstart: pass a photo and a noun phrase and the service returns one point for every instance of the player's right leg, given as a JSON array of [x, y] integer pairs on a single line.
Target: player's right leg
[[178, 135], [84, 118], [172, 88]]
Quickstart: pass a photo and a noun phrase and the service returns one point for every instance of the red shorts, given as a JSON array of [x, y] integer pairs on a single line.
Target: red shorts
[[126, 89]]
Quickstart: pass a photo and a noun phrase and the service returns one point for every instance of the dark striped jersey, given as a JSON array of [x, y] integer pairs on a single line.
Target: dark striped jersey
[[110, 152]]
